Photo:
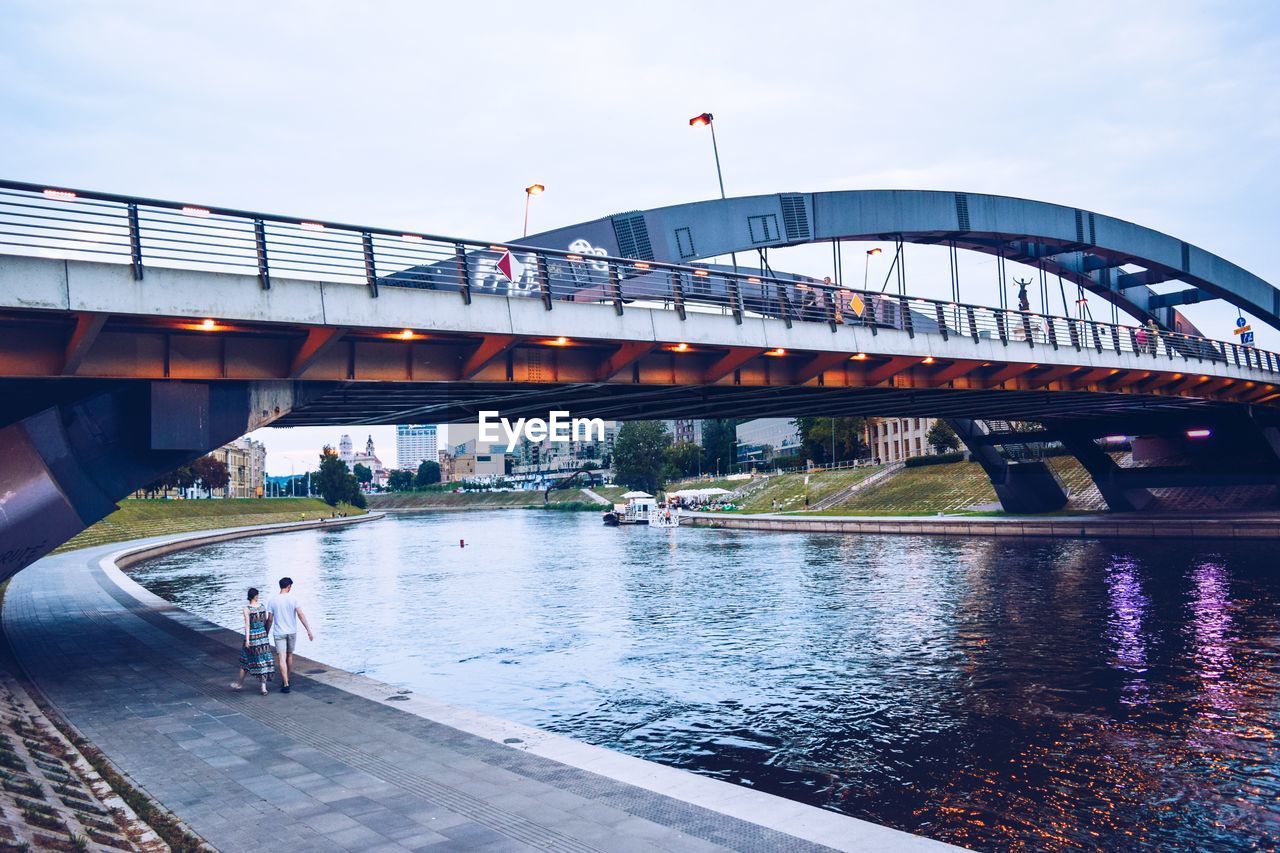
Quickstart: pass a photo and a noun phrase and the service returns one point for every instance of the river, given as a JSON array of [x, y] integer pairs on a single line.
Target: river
[[993, 693]]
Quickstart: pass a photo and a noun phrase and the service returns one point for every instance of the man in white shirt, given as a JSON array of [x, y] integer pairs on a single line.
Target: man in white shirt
[[285, 616]]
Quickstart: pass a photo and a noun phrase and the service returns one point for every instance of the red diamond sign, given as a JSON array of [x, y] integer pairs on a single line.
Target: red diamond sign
[[510, 267]]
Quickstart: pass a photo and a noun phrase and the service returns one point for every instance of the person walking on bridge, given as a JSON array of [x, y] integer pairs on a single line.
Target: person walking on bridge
[[256, 656], [285, 616]]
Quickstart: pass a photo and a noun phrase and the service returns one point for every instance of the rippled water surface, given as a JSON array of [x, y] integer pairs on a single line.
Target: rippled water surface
[[995, 694]]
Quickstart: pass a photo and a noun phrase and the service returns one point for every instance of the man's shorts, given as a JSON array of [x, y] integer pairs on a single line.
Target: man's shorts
[[285, 643]]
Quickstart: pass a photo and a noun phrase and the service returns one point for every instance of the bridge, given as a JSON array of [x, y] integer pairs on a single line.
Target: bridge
[[137, 334]]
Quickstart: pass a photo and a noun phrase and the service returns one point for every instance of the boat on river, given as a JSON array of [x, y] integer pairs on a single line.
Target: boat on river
[[641, 508]]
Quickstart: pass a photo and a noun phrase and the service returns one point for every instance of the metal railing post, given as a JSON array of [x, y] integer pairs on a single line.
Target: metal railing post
[[973, 322], [677, 292], [908, 324], [544, 281], [1000, 325], [615, 288], [1051, 331], [260, 248], [135, 243], [942, 321], [370, 271], [1026, 328], [1097, 338], [784, 303], [464, 277], [735, 296]]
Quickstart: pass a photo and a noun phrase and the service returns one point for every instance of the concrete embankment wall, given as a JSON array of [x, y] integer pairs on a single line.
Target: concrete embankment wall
[[137, 555], [1068, 527]]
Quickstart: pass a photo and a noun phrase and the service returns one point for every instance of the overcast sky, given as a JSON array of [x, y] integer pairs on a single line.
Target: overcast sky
[[434, 119]]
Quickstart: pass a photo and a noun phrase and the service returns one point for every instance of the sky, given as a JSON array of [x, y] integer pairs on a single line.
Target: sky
[[434, 119]]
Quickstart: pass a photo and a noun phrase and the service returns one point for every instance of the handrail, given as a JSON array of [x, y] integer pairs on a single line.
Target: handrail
[[141, 232]]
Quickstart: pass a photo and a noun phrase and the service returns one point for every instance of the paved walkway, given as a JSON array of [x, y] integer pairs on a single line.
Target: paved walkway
[[336, 766]]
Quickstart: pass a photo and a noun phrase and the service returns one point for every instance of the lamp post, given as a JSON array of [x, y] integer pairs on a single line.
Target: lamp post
[[866, 267], [708, 120], [529, 192]]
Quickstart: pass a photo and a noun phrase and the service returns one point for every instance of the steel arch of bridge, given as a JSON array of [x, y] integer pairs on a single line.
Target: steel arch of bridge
[[1095, 251]]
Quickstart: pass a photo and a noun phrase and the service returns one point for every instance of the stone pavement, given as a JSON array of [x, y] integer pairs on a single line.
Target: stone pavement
[[334, 766]]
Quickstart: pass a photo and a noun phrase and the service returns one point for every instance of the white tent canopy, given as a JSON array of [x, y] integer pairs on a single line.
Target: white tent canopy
[[629, 495], [698, 493]]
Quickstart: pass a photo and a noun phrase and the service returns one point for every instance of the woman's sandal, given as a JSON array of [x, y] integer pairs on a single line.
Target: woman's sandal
[[235, 685], [263, 690]]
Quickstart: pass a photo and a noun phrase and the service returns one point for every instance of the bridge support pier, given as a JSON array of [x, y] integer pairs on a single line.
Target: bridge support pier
[[65, 466], [1022, 487], [1107, 476]]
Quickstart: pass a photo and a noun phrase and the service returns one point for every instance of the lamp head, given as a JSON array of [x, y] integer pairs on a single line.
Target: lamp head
[[701, 120]]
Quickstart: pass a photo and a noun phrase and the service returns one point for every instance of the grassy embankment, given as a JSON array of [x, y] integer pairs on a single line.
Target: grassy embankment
[[927, 490], [140, 518], [952, 488], [789, 489]]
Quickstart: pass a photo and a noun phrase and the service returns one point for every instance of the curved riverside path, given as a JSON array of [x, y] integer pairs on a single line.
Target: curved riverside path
[[345, 762]]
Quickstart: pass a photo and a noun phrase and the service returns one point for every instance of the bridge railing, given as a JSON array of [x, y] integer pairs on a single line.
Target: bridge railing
[[36, 220]]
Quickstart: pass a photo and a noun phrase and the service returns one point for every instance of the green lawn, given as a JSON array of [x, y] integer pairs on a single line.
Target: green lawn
[[140, 518]]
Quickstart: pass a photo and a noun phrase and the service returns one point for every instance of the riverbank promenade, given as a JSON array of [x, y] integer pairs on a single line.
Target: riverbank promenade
[[347, 763]]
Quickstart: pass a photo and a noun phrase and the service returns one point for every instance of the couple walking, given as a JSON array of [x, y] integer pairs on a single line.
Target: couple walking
[[279, 616]]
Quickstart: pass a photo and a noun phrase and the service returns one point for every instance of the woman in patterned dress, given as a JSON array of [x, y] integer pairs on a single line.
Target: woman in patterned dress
[[257, 656]]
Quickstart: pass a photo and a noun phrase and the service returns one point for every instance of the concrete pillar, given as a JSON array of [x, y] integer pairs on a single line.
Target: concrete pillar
[[1021, 487], [1106, 474], [63, 468]]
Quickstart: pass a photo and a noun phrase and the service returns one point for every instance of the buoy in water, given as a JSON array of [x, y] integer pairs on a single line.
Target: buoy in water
[[462, 543]]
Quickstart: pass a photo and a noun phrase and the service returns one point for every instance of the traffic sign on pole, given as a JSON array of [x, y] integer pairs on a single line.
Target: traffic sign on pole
[[510, 267]]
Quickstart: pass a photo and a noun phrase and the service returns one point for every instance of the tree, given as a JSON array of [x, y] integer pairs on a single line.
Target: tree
[[639, 453], [212, 473], [331, 481], [400, 480], [719, 440], [363, 473], [684, 458], [941, 437], [816, 439], [428, 474]]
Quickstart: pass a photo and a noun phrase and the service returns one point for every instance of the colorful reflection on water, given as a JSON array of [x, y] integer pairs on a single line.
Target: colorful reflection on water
[[996, 694]]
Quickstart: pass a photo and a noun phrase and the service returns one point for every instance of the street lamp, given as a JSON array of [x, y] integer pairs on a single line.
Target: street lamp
[[708, 120], [866, 267], [529, 192]]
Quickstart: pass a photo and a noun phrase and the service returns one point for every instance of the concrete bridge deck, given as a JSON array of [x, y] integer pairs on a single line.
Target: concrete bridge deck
[[347, 763]]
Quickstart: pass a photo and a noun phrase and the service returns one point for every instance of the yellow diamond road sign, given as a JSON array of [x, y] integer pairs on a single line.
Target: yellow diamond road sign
[[857, 305]]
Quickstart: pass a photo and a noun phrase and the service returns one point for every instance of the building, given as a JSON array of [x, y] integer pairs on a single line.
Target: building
[[895, 439], [246, 462], [473, 461], [369, 459], [685, 429], [415, 443], [763, 439], [538, 462]]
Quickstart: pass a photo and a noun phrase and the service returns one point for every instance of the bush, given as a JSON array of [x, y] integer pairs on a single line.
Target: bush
[[937, 459]]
